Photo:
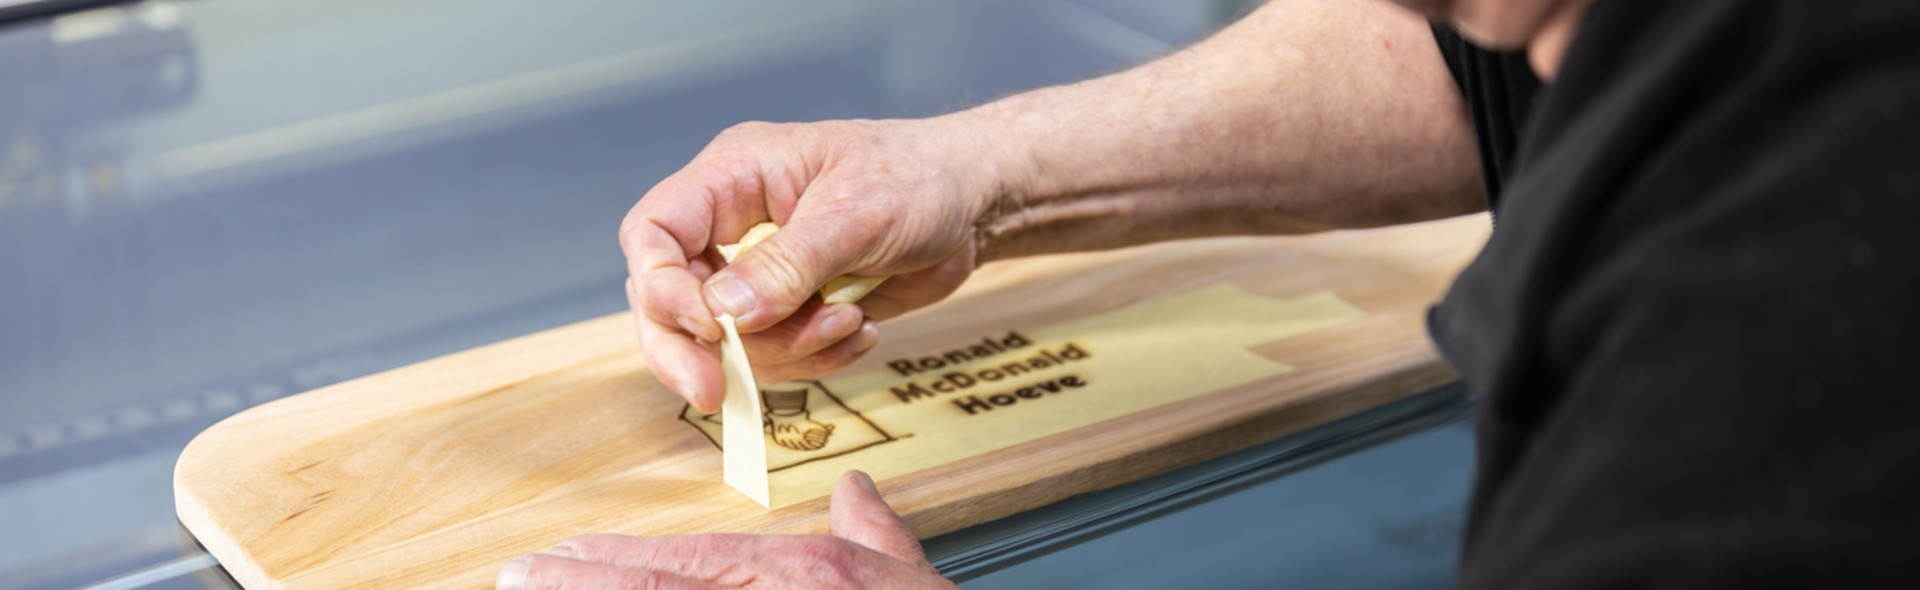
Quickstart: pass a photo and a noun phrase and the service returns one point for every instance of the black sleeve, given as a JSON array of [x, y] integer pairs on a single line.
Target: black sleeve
[[1697, 330], [1500, 90], [1731, 398]]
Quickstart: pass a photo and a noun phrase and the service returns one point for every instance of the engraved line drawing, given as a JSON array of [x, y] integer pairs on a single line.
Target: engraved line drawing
[[788, 422], [806, 423]]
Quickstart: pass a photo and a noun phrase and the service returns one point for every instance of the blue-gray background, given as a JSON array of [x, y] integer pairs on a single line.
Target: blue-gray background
[[205, 205]]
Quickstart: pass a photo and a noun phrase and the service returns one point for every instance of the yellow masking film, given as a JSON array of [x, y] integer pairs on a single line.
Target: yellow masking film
[[1003, 387], [744, 465]]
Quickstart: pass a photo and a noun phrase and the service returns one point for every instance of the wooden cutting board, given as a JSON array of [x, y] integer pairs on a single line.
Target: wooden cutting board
[[431, 475]]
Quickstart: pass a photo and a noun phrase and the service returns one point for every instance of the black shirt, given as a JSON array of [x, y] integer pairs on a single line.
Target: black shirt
[[1696, 328], [1501, 90]]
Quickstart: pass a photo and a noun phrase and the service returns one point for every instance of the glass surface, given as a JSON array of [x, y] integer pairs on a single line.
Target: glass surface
[[1386, 517], [206, 205]]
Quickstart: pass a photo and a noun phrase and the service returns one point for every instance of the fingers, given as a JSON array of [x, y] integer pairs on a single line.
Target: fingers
[[870, 549], [833, 222], [780, 274], [917, 289], [777, 561], [663, 241], [687, 367], [810, 329], [827, 360], [858, 514], [658, 256], [666, 239], [551, 572], [711, 558]]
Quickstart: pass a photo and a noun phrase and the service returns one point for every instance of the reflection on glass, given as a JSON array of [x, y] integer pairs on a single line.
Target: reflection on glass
[[206, 205]]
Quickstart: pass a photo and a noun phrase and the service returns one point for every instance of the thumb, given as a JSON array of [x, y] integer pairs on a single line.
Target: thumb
[[859, 515], [770, 281]]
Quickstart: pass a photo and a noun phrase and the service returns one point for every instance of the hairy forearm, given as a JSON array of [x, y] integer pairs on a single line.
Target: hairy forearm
[[1307, 115]]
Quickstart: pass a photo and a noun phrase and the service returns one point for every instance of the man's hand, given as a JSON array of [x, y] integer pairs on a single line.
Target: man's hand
[[869, 198], [869, 548], [1307, 115]]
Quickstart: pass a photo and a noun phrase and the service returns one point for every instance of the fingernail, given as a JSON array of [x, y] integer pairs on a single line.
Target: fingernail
[[863, 340], [685, 389], [691, 327], [839, 323], [711, 403], [513, 574], [866, 481], [732, 294], [563, 551]]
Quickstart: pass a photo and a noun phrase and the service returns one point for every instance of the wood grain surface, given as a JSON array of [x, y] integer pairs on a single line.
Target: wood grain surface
[[431, 475]]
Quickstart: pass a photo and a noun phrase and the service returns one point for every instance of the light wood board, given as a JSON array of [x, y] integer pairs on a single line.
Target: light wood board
[[431, 475]]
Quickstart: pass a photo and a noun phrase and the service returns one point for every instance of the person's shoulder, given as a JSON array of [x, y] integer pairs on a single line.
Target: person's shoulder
[[1789, 71]]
